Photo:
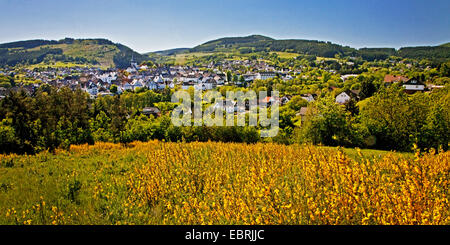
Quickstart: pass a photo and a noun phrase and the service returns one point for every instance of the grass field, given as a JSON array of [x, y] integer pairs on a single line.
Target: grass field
[[286, 55], [324, 58], [59, 64], [181, 59], [223, 183]]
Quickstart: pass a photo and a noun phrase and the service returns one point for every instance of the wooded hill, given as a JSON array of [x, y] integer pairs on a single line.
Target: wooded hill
[[257, 43], [101, 52]]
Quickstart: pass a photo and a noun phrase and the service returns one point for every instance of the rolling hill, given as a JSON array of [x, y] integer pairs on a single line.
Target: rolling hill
[[100, 52], [171, 51], [258, 43], [441, 52]]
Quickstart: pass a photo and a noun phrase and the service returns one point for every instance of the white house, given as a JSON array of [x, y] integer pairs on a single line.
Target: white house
[[204, 85], [413, 85], [158, 79], [131, 70], [199, 86], [265, 75], [137, 83], [227, 105], [345, 77], [104, 94], [249, 77], [288, 77], [119, 90], [152, 85], [192, 78], [186, 85], [210, 84], [92, 89], [108, 77], [161, 85], [127, 86], [307, 97], [167, 77], [220, 82], [342, 98]]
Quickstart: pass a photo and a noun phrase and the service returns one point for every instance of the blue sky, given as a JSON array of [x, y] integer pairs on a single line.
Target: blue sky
[[156, 25]]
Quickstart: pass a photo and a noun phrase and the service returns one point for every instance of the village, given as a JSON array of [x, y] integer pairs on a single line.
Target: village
[[99, 82]]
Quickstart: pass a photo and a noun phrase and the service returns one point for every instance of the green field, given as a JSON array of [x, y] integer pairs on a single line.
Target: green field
[[324, 58], [60, 64], [222, 183], [181, 59], [286, 55]]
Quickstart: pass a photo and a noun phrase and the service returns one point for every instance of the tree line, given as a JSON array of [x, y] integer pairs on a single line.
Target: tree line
[[388, 119]]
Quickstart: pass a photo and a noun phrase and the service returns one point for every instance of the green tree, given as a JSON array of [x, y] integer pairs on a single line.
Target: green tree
[[297, 102], [445, 69], [18, 107], [235, 78], [367, 89], [113, 89], [242, 81], [325, 123], [229, 76], [387, 116], [8, 140], [118, 119]]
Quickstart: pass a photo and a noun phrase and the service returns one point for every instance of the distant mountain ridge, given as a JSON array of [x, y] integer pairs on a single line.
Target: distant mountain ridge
[[105, 53], [100, 52], [256, 43], [171, 51]]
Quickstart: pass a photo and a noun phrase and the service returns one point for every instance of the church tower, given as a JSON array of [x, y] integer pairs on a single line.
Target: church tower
[[133, 63]]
